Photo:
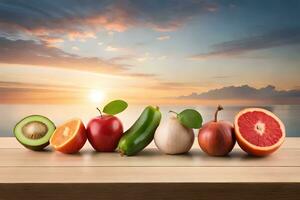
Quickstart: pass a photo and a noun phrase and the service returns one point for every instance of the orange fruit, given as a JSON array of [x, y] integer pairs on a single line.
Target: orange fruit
[[69, 137], [258, 132]]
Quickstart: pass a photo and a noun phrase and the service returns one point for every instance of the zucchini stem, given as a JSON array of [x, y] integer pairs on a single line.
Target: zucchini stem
[[121, 152]]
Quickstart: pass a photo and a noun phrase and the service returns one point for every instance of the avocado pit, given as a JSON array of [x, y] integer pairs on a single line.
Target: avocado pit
[[34, 130]]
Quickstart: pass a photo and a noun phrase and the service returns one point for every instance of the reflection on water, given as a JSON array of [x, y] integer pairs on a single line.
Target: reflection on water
[[11, 114]]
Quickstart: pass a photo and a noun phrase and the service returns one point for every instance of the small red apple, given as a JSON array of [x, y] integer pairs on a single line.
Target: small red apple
[[104, 132]]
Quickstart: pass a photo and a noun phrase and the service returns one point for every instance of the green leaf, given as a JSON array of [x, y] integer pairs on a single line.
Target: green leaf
[[190, 118], [115, 107]]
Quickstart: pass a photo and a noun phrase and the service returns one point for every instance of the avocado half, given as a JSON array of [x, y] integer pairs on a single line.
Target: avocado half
[[34, 132]]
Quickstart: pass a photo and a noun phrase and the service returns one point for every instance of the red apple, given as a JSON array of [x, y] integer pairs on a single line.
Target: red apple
[[104, 132]]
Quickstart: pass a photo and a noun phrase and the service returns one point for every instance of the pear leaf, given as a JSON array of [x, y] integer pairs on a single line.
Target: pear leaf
[[115, 107], [190, 118]]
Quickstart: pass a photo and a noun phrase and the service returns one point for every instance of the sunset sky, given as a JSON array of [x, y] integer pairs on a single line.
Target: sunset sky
[[152, 51]]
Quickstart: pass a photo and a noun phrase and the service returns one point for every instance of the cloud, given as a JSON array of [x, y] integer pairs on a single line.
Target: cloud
[[221, 77], [142, 75], [135, 57], [161, 84], [277, 38], [30, 52], [75, 20], [245, 92], [144, 57], [170, 85], [23, 85], [52, 41], [169, 27], [16, 92], [81, 20], [75, 48], [122, 58], [164, 37], [212, 7], [80, 35], [111, 48]]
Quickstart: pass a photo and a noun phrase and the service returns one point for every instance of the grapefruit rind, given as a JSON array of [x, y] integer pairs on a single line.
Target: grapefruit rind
[[254, 149], [78, 123]]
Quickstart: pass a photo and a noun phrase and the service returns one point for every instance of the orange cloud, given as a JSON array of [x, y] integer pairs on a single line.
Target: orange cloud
[[164, 37], [80, 35], [52, 41], [43, 55], [111, 48], [80, 21], [118, 24], [14, 92]]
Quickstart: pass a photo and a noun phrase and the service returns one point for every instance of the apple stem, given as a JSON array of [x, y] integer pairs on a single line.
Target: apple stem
[[99, 111], [216, 113], [171, 111]]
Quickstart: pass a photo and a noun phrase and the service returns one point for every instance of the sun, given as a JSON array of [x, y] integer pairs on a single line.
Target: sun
[[96, 96]]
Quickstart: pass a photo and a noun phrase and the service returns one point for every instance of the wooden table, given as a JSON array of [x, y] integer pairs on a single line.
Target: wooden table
[[25, 174]]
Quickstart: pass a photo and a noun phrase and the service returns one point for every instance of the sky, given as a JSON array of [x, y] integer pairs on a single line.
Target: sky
[[149, 51]]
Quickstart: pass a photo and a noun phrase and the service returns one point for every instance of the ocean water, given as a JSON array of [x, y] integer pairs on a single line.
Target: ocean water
[[11, 114]]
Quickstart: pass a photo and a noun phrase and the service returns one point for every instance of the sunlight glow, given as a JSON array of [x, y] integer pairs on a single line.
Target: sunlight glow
[[96, 96]]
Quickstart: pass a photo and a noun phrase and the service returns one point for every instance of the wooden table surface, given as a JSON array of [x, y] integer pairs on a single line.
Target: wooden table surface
[[108, 175]]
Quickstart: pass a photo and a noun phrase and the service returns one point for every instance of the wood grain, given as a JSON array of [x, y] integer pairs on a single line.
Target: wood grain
[[25, 174], [150, 191], [148, 174], [148, 158]]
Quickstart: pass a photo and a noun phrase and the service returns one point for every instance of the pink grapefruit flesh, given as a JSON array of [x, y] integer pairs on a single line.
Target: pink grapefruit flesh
[[258, 131]]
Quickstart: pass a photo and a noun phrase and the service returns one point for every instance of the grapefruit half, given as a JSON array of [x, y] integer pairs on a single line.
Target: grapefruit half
[[69, 137], [258, 132]]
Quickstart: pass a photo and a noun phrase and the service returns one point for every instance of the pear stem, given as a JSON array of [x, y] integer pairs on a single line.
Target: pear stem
[[171, 111], [99, 111], [219, 108]]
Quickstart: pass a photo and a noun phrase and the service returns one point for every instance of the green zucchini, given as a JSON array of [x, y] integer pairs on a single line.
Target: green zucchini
[[141, 133]]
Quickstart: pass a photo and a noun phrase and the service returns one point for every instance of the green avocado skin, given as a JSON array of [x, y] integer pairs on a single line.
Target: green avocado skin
[[34, 147], [141, 133]]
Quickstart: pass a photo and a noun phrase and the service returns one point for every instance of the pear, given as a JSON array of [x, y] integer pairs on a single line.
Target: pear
[[171, 137], [216, 138]]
